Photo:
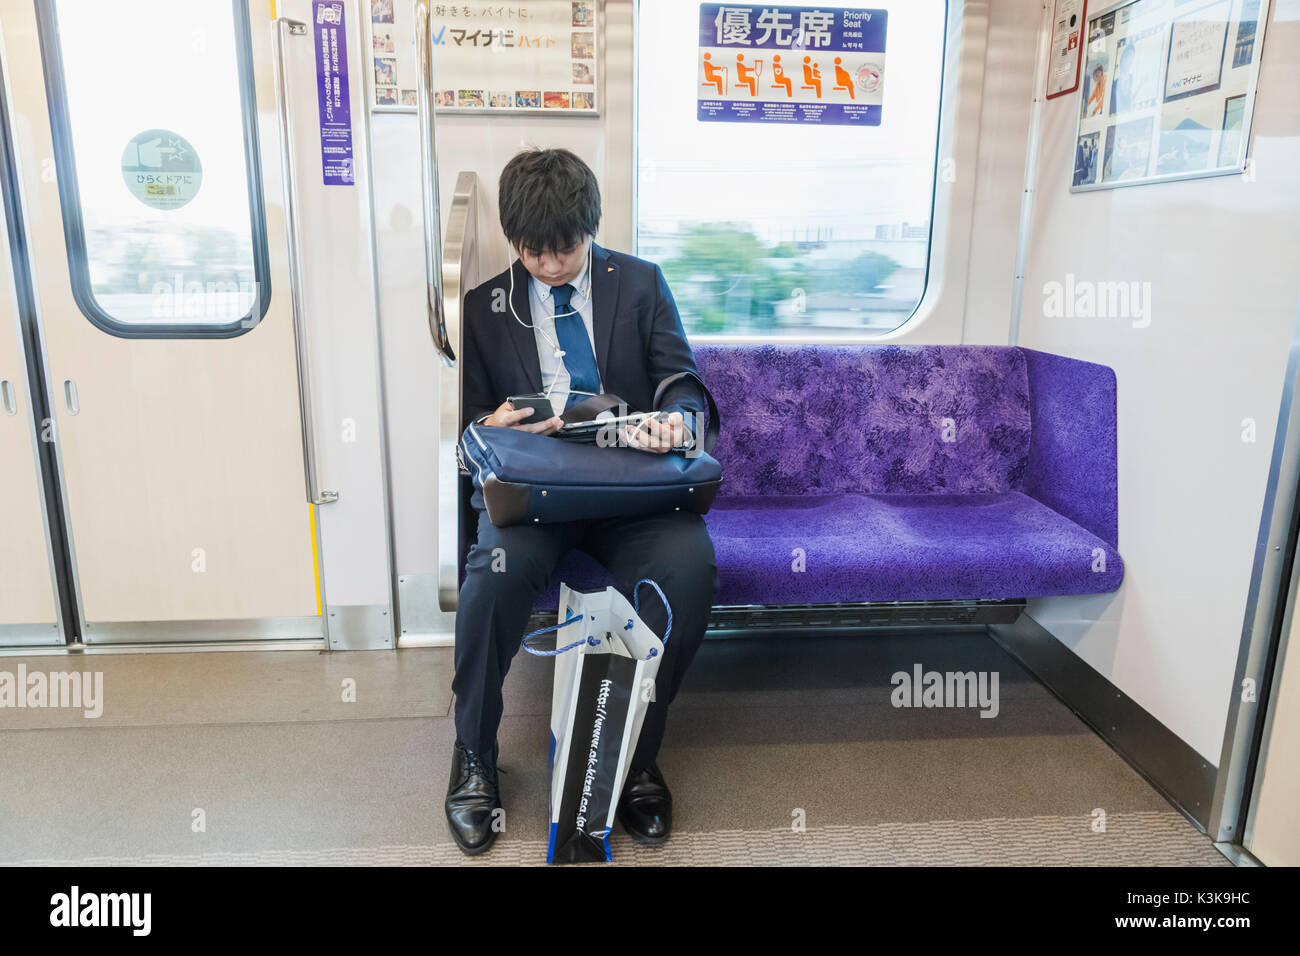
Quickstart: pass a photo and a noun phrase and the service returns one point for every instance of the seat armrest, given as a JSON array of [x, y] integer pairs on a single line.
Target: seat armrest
[[1073, 454]]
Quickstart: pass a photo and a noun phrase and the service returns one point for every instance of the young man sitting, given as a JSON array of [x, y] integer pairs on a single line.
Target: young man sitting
[[570, 319]]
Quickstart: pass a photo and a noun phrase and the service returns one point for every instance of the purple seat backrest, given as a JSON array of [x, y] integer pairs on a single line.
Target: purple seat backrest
[[887, 419]]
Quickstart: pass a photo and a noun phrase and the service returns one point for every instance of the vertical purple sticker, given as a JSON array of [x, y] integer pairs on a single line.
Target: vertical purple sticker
[[332, 92]]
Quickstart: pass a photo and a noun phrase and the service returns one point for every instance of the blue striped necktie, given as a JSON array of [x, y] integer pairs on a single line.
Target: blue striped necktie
[[579, 359]]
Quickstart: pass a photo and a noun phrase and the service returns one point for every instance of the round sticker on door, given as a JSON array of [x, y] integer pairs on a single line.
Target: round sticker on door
[[869, 75], [161, 169]]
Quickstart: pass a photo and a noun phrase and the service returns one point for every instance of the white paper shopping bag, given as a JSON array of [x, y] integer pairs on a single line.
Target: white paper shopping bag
[[606, 660]]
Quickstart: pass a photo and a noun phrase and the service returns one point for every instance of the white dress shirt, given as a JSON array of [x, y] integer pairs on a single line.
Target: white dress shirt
[[555, 376]]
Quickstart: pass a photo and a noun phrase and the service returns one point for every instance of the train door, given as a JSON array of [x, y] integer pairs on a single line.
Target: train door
[[1272, 831], [29, 611], [148, 160], [1271, 828]]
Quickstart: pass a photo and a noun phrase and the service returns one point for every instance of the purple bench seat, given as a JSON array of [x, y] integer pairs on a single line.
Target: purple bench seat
[[906, 473]]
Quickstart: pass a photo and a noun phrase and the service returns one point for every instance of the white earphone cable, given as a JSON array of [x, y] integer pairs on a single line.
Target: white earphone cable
[[586, 298]]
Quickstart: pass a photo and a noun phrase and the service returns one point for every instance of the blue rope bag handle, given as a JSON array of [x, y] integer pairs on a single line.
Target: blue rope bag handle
[[592, 640], [572, 619], [636, 606]]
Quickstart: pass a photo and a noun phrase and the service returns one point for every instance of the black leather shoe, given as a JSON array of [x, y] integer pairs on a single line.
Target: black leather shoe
[[646, 807], [472, 796]]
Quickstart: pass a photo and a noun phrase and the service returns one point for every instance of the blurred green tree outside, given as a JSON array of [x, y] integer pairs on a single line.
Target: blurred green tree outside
[[724, 276]]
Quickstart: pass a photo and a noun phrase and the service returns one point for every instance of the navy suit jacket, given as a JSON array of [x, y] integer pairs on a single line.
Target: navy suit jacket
[[639, 340]]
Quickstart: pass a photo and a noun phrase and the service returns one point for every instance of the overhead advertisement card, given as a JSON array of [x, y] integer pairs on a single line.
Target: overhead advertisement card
[[774, 64], [492, 58]]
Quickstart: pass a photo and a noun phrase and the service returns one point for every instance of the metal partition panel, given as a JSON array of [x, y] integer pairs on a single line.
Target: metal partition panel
[[460, 273], [339, 334]]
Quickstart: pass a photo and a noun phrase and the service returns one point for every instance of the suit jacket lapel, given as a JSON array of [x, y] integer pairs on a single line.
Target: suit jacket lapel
[[604, 305], [524, 339]]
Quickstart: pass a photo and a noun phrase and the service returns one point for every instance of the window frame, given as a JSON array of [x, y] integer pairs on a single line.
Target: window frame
[[70, 194], [948, 49]]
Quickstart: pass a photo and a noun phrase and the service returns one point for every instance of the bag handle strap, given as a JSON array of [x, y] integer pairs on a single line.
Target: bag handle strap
[[572, 618], [636, 606], [594, 642], [714, 427]]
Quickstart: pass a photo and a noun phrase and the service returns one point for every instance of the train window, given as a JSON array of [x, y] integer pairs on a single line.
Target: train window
[[151, 106], [776, 201]]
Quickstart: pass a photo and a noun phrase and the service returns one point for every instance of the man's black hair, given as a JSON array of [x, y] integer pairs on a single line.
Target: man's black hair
[[549, 200]]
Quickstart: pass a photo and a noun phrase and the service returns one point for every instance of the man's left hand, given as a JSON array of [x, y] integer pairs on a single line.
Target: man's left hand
[[657, 436]]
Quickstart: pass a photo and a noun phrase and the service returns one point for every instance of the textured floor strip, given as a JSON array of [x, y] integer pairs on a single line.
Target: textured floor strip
[[1158, 838]]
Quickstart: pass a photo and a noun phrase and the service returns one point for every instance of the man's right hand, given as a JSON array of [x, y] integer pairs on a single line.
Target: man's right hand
[[507, 416]]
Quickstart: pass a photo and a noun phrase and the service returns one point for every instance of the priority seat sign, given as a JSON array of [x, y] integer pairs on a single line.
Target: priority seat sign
[[772, 64]]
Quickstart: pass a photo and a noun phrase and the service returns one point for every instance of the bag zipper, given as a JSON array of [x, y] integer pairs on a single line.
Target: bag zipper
[[478, 467]]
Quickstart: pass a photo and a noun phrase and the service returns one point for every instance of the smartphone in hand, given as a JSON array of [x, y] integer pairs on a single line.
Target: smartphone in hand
[[540, 404]]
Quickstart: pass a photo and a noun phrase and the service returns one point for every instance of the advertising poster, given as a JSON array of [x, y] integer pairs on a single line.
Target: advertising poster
[[538, 55], [1234, 108], [393, 65], [1128, 147], [1067, 48], [1186, 130], [1096, 66], [1135, 80], [1244, 47], [1166, 90], [774, 64], [1196, 45], [1086, 159]]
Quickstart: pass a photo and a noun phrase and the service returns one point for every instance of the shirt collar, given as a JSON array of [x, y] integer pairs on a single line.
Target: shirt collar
[[543, 291]]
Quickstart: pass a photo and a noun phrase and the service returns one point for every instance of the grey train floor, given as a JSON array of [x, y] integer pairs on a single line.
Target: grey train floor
[[766, 731]]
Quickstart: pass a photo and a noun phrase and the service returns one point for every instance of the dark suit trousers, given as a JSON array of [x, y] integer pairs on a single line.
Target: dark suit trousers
[[509, 567]]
